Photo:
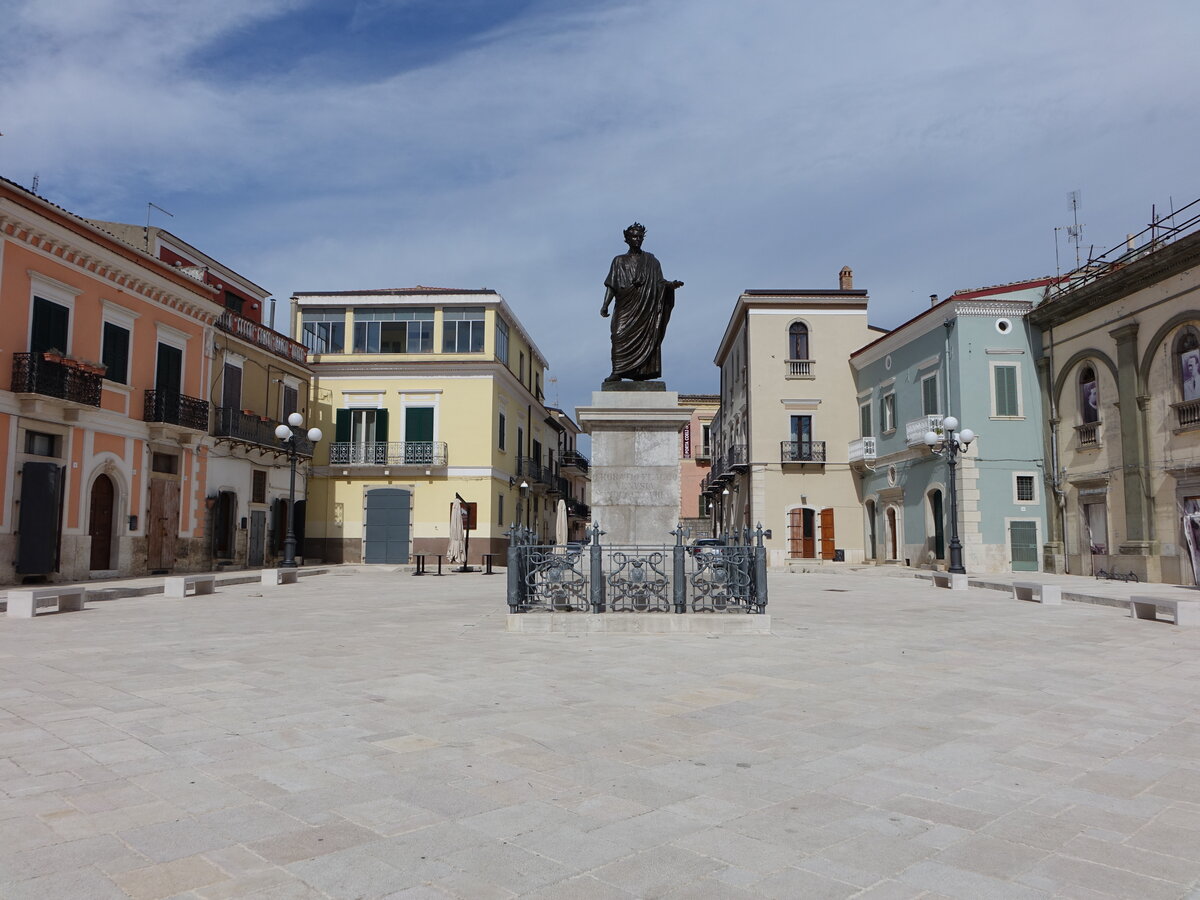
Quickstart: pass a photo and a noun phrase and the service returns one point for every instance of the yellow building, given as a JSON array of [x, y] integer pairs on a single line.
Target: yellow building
[[422, 394]]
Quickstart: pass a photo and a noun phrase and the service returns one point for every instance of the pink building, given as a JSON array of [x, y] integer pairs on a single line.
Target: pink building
[[695, 461]]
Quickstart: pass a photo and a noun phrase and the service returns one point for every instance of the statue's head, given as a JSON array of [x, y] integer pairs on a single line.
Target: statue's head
[[636, 228]]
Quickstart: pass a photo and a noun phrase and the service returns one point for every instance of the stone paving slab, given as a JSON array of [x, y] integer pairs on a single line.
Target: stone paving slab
[[375, 735]]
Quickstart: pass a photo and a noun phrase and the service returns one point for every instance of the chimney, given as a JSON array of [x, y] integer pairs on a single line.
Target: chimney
[[846, 279], [933, 299]]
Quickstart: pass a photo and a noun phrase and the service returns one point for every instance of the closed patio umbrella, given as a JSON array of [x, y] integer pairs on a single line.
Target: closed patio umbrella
[[560, 523], [456, 551]]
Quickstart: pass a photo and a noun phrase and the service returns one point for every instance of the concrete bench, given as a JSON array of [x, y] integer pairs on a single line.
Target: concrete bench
[[275, 577], [176, 586], [1142, 606], [25, 604], [952, 580], [1050, 594]]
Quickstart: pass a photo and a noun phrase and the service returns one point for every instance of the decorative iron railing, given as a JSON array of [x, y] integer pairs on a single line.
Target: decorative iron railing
[[578, 509], [174, 408], [535, 473], [1188, 413], [801, 451], [735, 457], [800, 368], [669, 579], [394, 453], [861, 449], [239, 425], [262, 336], [1089, 434], [32, 373], [572, 458], [914, 431]]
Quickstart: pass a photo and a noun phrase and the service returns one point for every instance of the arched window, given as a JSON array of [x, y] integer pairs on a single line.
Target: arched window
[[798, 341], [1187, 351], [1089, 396]]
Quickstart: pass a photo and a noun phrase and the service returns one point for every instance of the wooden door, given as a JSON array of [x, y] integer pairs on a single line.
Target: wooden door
[[258, 534], [795, 533], [827, 537], [39, 526], [162, 528], [100, 523], [892, 539]]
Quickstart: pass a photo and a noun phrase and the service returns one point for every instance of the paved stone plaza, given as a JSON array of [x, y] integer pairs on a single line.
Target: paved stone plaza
[[370, 734]]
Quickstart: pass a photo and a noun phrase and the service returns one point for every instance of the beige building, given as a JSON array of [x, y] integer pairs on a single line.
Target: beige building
[[1120, 378], [424, 394], [780, 454]]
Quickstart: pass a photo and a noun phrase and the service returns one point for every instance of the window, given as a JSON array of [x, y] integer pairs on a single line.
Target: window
[[234, 302], [50, 327], [536, 455], [537, 384], [1089, 396], [1006, 396], [501, 340], [231, 387], [499, 509], [114, 353], [323, 330], [288, 402], [167, 463], [258, 486], [503, 429], [521, 368], [705, 505], [929, 395], [462, 330], [1187, 350], [393, 330], [705, 437], [798, 341], [520, 440], [864, 419], [887, 413], [38, 443], [1025, 487]]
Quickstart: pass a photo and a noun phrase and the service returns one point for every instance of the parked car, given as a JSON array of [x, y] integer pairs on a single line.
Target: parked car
[[707, 546]]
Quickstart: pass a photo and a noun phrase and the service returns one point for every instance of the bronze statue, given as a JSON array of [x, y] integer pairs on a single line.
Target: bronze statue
[[644, 302]]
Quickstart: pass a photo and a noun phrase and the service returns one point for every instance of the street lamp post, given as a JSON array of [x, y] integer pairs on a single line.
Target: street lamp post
[[287, 434], [952, 442]]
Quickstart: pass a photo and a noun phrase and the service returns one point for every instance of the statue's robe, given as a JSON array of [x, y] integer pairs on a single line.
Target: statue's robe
[[642, 307]]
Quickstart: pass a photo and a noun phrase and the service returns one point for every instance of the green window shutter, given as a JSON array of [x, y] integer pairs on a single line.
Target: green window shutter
[[381, 426], [418, 424], [341, 427], [929, 396], [115, 352], [865, 419], [1006, 391]]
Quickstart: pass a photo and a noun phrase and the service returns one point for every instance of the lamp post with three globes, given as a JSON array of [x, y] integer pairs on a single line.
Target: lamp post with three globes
[[288, 433], [952, 442]]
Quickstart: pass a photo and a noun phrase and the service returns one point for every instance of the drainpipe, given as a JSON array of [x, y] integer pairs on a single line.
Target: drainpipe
[[1060, 495]]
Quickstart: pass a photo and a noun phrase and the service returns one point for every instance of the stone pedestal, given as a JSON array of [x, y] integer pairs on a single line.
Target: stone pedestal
[[635, 463]]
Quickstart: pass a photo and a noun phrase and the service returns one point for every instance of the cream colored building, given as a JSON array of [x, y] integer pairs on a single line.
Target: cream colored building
[[780, 455], [422, 394]]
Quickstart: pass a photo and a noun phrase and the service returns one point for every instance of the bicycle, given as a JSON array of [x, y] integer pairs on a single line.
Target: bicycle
[[1117, 576]]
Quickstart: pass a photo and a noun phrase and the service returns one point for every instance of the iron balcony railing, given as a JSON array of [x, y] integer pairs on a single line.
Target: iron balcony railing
[[239, 425], [800, 368], [914, 431], [802, 451], [388, 453], [34, 374], [262, 336], [535, 473], [577, 509], [861, 449], [572, 458], [174, 408], [735, 457], [1188, 413]]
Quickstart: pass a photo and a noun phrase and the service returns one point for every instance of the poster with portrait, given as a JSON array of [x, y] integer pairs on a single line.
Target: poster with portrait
[[1190, 510], [1089, 401], [1189, 371]]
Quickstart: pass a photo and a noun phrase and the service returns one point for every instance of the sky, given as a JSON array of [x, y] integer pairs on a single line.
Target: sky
[[316, 145]]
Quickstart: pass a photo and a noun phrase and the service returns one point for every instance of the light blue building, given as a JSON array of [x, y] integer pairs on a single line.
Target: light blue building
[[971, 356]]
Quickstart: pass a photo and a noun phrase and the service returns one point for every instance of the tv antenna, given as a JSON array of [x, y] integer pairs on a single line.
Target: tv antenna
[[36, 179], [553, 379], [1075, 232], [161, 210]]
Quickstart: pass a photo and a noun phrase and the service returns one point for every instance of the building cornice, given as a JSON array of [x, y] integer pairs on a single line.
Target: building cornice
[[932, 319]]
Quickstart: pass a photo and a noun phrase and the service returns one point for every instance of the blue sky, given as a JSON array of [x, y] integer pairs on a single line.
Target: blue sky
[[323, 145]]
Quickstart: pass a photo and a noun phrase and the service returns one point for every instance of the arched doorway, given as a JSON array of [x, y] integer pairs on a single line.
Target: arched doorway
[[937, 514], [872, 548], [100, 523], [892, 539]]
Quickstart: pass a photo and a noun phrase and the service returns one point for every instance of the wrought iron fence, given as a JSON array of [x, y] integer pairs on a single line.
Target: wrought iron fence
[[34, 374], [390, 453], [574, 458], [174, 408], [239, 425], [600, 578], [802, 451]]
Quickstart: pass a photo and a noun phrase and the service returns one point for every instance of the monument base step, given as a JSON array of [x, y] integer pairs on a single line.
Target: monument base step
[[638, 623]]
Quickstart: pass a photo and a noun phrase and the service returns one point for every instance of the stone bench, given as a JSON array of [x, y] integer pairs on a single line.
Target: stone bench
[[25, 604], [1050, 594], [176, 586], [1186, 612], [953, 581], [275, 577]]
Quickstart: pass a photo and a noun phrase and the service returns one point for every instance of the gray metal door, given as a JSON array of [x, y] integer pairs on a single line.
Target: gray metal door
[[1023, 537], [386, 525], [258, 536]]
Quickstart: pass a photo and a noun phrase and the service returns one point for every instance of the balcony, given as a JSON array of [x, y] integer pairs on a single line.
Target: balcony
[[802, 451], [242, 427], [915, 430], [703, 455], [262, 336], [862, 450], [537, 475], [572, 459], [1187, 414], [174, 408], [800, 368], [389, 453], [577, 509], [735, 457], [1088, 435], [34, 374]]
